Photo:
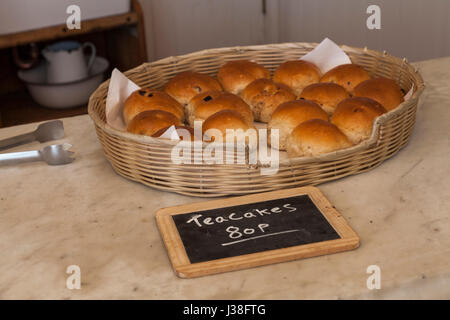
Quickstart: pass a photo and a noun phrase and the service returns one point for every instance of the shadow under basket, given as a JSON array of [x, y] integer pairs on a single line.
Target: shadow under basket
[[148, 160]]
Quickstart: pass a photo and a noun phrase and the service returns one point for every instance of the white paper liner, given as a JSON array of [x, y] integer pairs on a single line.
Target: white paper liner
[[410, 93], [327, 55], [120, 88], [171, 134]]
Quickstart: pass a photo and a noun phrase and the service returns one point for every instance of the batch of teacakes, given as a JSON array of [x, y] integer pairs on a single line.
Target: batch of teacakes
[[315, 113]]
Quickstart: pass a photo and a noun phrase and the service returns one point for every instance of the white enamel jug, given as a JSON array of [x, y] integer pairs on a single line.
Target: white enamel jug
[[66, 61]]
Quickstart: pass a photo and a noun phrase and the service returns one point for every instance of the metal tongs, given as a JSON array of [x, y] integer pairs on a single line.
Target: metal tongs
[[52, 155]]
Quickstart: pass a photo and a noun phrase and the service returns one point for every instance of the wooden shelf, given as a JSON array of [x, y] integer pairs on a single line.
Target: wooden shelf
[[113, 39], [18, 108], [61, 31], [133, 18]]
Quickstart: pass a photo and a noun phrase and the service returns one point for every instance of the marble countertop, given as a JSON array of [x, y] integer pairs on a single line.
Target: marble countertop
[[85, 214]]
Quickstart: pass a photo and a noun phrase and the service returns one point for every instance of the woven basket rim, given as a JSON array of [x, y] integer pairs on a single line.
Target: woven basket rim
[[379, 121]]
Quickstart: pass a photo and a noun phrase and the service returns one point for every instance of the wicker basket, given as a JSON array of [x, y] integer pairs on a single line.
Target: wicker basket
[[147, 160]]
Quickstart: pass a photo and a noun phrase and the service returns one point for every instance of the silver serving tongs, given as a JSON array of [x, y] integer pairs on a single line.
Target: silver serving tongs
[[52, 155], [44, 132]]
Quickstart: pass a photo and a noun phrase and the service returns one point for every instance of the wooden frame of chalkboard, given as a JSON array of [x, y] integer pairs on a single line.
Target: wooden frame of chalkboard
[[193, 264]]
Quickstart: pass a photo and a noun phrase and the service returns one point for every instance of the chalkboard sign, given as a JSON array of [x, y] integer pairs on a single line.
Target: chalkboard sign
[[242, 232]]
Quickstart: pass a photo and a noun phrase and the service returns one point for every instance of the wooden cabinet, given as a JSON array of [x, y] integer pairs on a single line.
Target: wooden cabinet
[[118, 38]]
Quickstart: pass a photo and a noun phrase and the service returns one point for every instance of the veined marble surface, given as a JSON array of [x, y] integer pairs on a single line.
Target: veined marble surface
[[85, 214]]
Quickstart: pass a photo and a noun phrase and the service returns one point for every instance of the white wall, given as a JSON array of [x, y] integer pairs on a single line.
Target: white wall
[[175, 27], [415, 29]]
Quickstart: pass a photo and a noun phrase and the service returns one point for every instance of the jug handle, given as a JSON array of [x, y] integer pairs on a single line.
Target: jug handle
[[93, 54], [45, 55]]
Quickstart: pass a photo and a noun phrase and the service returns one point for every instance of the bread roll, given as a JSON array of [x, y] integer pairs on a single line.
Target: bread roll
[[185, 133], [223, 120], [355, 116], [326, 94], [346, 75], [264, 96], [290, 114], [184, 86], [206, 104], [149, 122], [236, 75], [315, 137], [145, 100], [297, 74], [383, 90]]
